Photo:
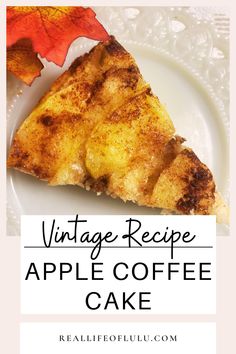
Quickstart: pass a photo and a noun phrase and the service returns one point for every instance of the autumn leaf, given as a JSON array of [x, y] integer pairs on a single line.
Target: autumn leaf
[[23, 61], [51, 30]]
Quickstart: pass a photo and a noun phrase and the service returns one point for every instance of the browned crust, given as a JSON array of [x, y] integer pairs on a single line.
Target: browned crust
[[77, 62], [113, 61], [98, 185], [114, 48], [199, 191]]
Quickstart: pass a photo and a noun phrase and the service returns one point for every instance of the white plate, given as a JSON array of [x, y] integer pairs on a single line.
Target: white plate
[[192, 105]]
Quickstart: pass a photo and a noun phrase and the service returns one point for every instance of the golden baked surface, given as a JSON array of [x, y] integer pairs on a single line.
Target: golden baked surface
[[101, 127]]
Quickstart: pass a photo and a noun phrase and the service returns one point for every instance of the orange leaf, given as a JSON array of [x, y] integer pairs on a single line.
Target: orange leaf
[[23, 62], [52, 29]]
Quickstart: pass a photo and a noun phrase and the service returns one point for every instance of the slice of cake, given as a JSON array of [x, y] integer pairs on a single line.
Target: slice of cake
[[101, 127]]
